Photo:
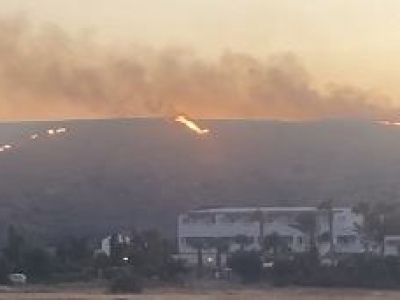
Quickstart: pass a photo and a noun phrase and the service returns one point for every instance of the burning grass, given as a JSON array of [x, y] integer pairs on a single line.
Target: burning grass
[[191, 125]]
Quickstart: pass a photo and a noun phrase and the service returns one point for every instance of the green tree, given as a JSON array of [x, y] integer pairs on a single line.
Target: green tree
[[5, 269], [260, 219], [247, 265], [307, 222], [75, 250], [13, 251], [100, 262], [373, 228], [199, 244], [38, 264], [326, 207], [221, 246], [152, 256]]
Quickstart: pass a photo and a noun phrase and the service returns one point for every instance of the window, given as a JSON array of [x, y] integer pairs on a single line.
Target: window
[[199, 217], [393, 243], [346, 239], [288, 240]]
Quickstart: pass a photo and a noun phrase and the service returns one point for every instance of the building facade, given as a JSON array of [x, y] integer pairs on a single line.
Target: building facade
[[392, 245], [226, 230], [105, 247]]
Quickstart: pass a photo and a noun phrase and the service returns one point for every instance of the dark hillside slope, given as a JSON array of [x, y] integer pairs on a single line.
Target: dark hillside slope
[[105, 175]]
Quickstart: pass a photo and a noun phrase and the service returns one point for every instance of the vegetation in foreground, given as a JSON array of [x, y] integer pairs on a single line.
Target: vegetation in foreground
[[148, 259]]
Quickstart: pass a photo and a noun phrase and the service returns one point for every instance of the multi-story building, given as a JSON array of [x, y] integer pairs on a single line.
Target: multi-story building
[[249, 227]]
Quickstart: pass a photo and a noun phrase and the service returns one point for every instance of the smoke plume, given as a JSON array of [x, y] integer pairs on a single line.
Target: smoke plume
[[47, 73]]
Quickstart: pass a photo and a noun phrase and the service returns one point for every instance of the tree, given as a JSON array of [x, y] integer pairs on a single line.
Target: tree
[[368, 230], [307, 222], [247, 265], [100, 262], [152, 253], [221, 245], [5, 270], [373, 228], [38, 264], [383, 210], [327, 208], [13, 251], [75, 250], [260, 219], [199, 244]]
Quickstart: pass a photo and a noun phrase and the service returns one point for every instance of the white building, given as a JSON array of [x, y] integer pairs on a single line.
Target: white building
[[106, 243], [229, 225]]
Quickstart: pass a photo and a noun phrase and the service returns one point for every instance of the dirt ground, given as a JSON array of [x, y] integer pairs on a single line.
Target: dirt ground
[[251, 294]]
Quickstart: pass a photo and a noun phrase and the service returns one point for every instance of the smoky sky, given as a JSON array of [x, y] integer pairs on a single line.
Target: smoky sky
[[49, 73]]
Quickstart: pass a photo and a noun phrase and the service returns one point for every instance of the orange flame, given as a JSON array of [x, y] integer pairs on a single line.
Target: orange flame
[[48, 133], [191, 125], [389, 123]]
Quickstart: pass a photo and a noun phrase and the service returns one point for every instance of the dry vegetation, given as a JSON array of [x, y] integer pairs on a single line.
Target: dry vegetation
[[271, 294]]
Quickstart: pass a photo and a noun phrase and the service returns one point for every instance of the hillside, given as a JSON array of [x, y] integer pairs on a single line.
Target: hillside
[[106, 175]]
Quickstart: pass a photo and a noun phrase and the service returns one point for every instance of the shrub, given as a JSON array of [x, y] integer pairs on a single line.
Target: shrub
[[247, 264], [126, 284], [283, 272]]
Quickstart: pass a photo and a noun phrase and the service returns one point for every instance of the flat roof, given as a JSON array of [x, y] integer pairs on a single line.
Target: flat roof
[[262, 209]]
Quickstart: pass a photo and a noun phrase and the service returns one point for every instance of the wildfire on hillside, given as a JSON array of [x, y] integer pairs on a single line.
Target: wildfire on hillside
[[389, 123], [191, 125], [47, 133]]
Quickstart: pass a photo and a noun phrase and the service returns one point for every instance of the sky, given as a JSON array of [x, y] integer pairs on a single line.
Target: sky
[[351, 43]]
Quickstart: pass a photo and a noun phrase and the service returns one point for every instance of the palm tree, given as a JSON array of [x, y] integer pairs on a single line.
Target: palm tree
[[259, 218], [367, 229], [327, 207], [221, 245], [307, 222], [383, 210], [199, 244], [373, 229]]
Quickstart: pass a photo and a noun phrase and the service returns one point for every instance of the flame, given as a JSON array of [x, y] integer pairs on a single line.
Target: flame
[[191, 125], [389, 123], [61, 130], [49, 132]]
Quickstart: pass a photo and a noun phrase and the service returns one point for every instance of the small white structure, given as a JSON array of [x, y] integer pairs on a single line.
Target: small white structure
[[392, 245], [256, 223], [106, 243], [17, 278]]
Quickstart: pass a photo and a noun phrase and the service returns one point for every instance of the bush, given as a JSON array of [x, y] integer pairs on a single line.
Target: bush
[[283, 272], [247, 265], [126, 284], [38, 265], [174, 270]]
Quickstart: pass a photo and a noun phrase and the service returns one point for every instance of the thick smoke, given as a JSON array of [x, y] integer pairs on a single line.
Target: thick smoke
[[46, 73]]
